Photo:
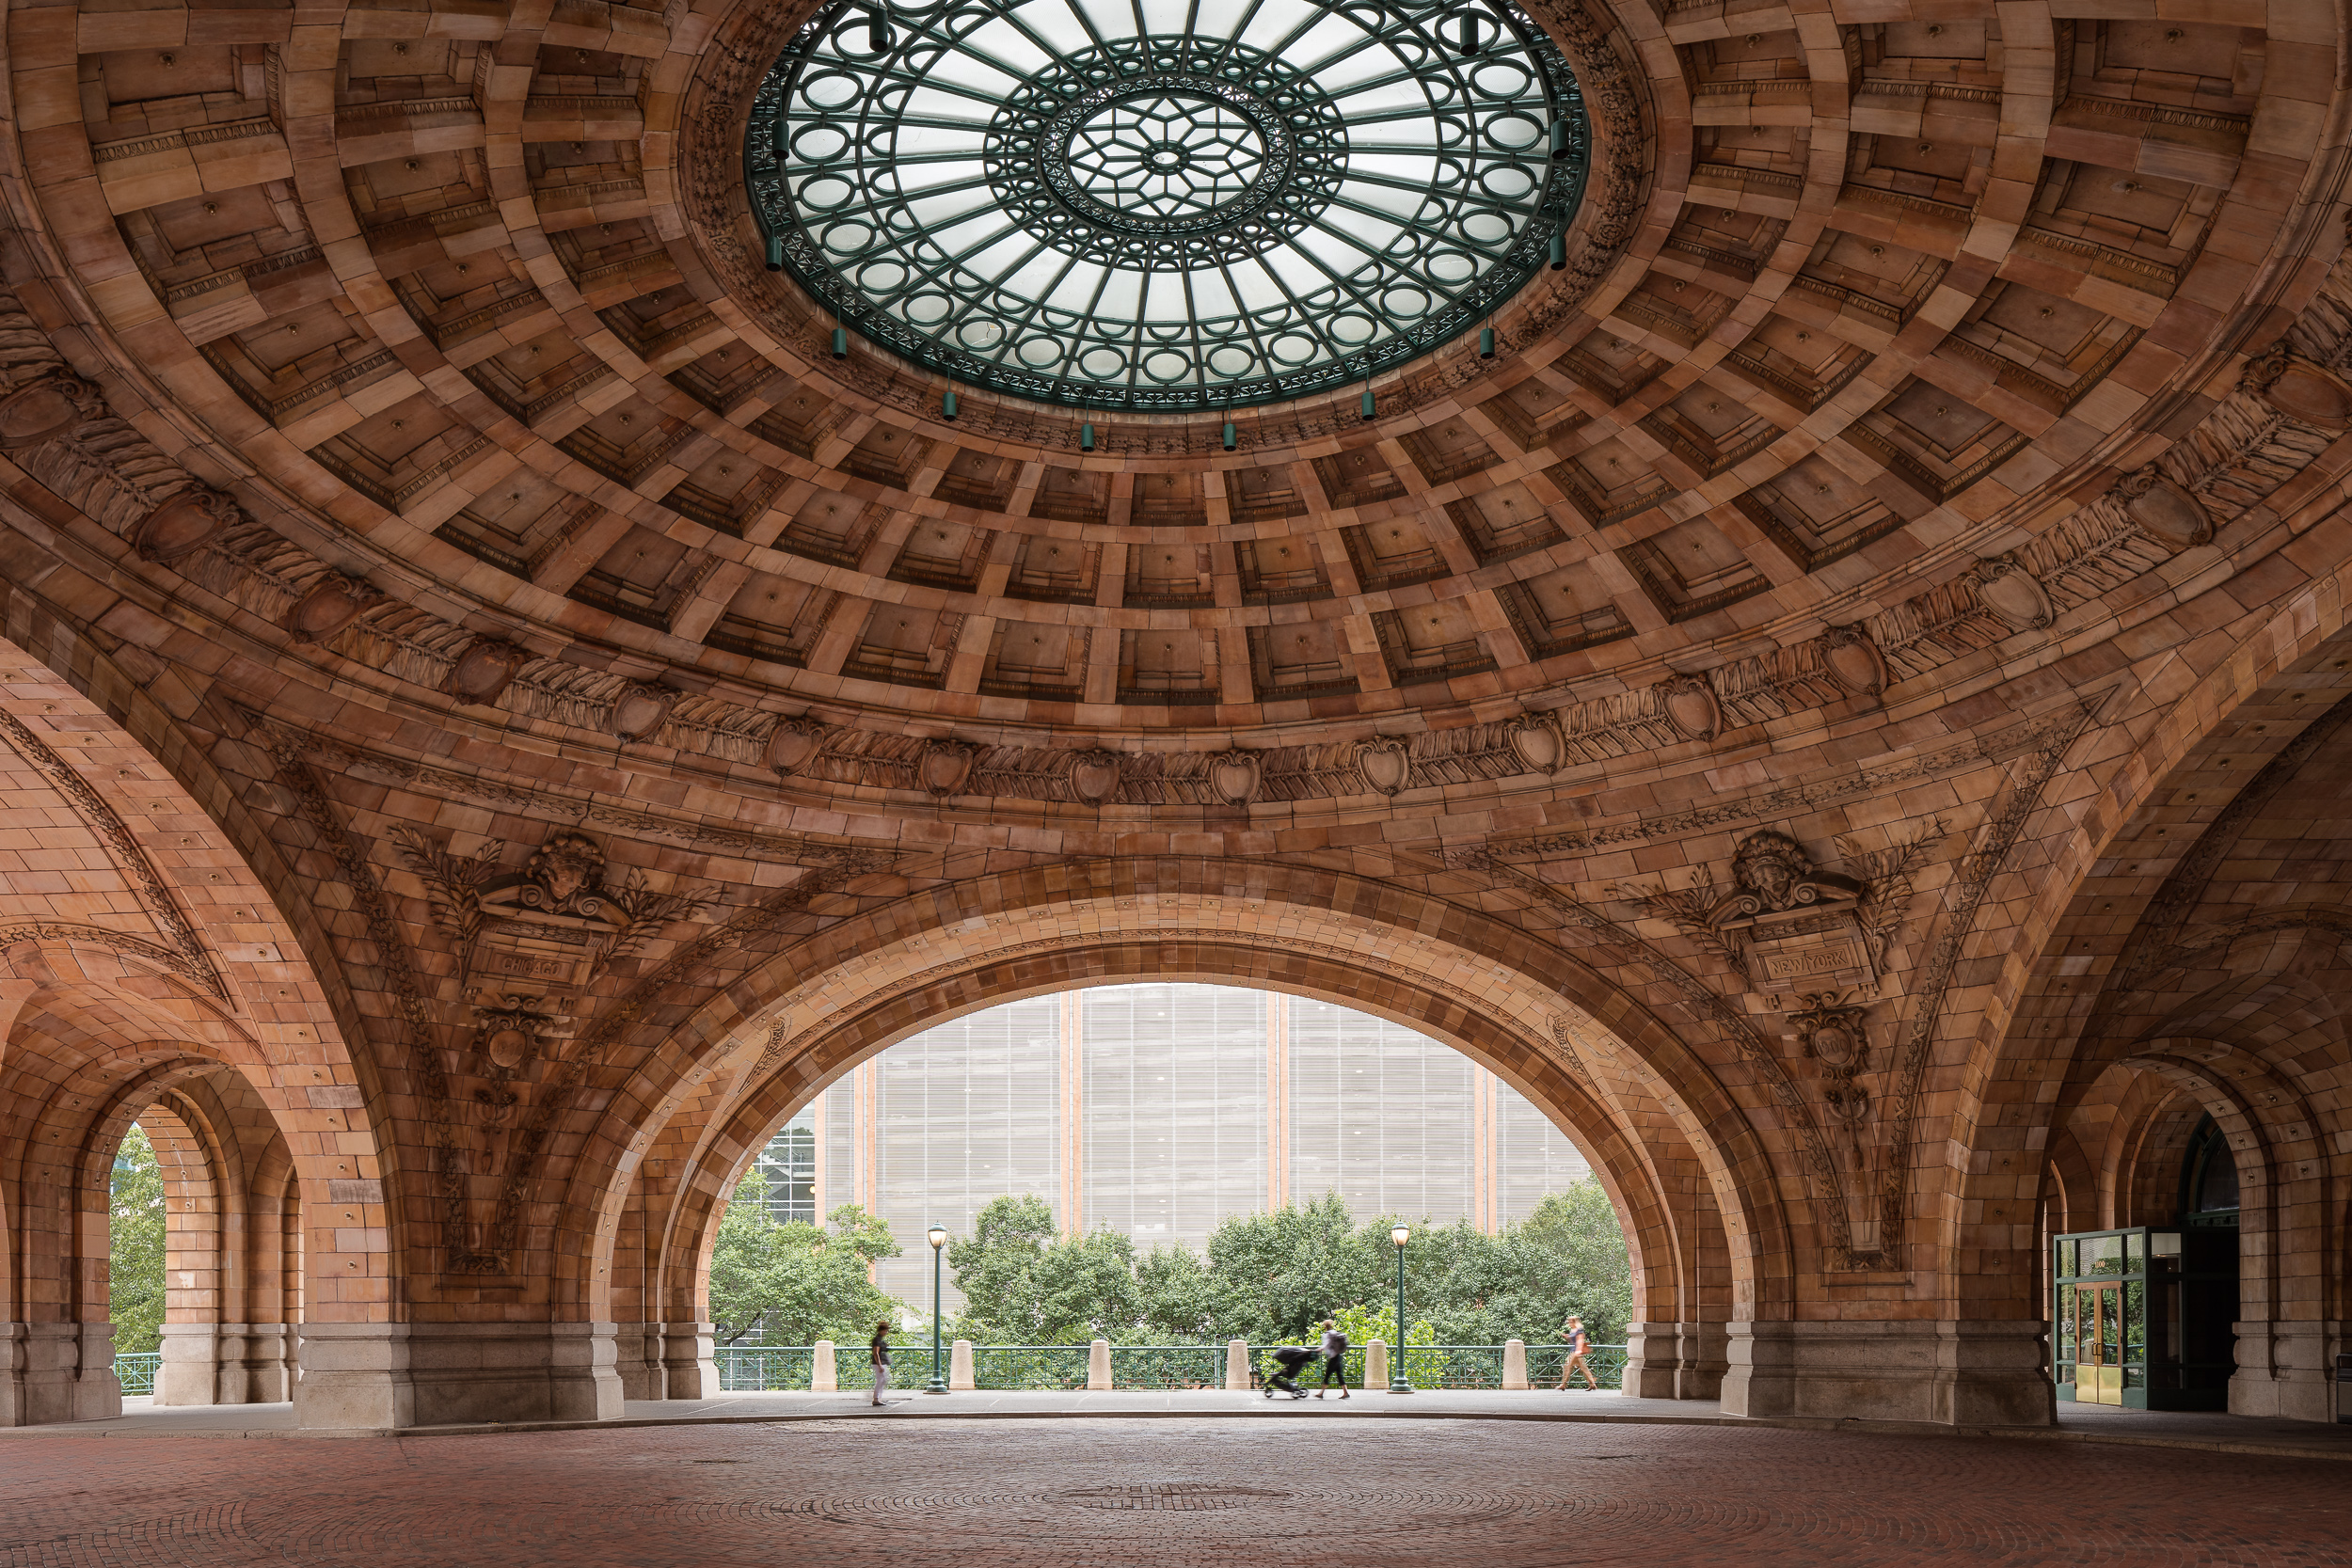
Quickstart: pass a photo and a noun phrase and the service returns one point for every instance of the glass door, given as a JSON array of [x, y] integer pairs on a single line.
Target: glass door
[[2099, 1345]]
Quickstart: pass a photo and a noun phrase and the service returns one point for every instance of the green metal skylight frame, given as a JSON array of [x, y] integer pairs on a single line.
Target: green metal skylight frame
[[1164, 205]]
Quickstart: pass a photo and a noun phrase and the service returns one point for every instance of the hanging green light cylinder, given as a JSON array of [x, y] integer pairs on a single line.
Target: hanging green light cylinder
[[1086, 437], [783, 137], [1368, 405], [1232, 436], [840, 343], [1561, 147], [775, 253], [1485, 343], [947, 405], [1559, 253]]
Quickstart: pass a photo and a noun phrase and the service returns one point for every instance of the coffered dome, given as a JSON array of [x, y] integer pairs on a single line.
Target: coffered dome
[[1869, 349]]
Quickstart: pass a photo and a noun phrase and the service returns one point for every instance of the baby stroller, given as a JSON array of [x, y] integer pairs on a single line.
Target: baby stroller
[[1291, 1359]]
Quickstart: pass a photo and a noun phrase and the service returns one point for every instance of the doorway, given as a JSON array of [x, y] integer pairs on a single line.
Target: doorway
[[2099, 1344]]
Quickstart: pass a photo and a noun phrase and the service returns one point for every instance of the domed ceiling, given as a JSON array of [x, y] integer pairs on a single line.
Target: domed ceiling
[[1835, 354]]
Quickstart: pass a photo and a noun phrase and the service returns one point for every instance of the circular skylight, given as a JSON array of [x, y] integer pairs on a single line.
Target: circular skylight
[[1156, 205]]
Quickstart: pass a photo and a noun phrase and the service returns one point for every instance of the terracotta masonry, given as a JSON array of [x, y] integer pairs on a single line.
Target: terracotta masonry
[[1847, 709]]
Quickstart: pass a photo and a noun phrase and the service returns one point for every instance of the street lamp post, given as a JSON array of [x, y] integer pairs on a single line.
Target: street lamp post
[[1397, 1384], [939, 1241]]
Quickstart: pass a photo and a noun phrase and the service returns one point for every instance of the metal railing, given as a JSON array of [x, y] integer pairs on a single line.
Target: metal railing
[[1544, 1363], [1048, 1369], [136, 1369]]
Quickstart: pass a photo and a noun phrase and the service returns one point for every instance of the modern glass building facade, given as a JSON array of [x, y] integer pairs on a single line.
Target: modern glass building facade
[[1159, 1111]]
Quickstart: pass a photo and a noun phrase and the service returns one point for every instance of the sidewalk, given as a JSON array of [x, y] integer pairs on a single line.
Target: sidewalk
[[2219, 1433]]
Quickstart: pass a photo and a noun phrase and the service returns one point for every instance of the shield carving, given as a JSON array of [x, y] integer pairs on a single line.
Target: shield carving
[[2300, 390], [945, 767], [1691, 707], [45, 410], [1386, 765], [641, 711], [1854, 661], [188, 521], [1536, 742], [2012, 593], [483, 670], [1234, 777], [2165, 512], [1094, 776], [791, 743], [332, 604]]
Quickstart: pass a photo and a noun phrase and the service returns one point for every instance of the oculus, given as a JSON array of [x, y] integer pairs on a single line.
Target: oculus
[[1165, 207]]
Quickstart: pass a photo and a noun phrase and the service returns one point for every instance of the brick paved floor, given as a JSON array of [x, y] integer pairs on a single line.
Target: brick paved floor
[[1181, 1492]]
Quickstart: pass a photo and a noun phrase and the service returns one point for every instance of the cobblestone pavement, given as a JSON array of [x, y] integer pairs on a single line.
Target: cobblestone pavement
[[1175, 1492]]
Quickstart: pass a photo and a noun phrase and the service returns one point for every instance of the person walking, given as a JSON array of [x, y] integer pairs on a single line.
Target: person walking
[[1289, 1360], [878, 1350], [1334, 1359], [1578, 1345]]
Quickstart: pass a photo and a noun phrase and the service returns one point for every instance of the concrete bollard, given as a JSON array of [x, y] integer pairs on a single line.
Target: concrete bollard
[[1376, 1364], [1098, 1365], [960, 1367], [1514, 1363], [1237, 1366], [820, 1371]]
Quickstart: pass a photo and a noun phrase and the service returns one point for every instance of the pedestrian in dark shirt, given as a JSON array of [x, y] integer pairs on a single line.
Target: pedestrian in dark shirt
[[1578, 1343], [1334, 1359], [878, 1349]]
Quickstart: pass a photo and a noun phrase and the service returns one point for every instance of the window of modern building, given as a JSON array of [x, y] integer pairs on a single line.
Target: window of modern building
[[1160, 1111]]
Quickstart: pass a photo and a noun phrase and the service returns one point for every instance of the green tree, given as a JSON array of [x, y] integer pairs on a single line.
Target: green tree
[[1584, 1266], [1278, 1273], [134, 1271], [1271, 1278], [795, 1284], [1025, 1284]]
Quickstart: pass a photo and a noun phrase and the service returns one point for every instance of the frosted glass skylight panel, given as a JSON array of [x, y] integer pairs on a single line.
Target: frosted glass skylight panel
[[1326, 160]]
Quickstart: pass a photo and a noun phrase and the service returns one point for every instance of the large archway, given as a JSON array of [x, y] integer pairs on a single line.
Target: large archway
[[1629, 1116]]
